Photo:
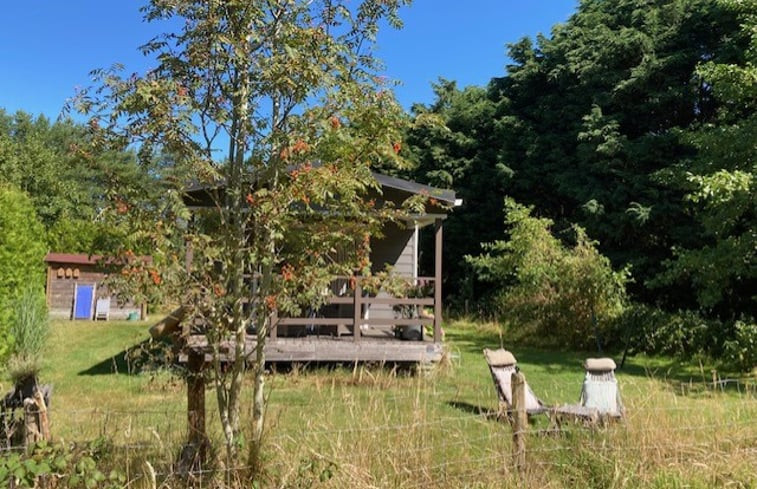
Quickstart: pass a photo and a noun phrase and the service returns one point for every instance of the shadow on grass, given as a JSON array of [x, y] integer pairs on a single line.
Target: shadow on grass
[[146, 356], [472, 340], [475, 410]]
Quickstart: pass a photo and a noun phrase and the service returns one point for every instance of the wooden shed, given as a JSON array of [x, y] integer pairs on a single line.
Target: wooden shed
[[75, 284]]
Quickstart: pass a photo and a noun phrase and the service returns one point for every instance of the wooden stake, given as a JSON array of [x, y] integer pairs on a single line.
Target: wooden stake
[[520, 421], [194, 453]]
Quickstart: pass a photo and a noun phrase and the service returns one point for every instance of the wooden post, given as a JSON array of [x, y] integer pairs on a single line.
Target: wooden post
[[438, 281], [274, 332], [357, 316], [197, 439], [48, 286], [188, 250], [520, 421]]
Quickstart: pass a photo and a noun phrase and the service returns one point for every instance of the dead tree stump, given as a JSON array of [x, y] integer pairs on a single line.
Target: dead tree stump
[[33, 424]]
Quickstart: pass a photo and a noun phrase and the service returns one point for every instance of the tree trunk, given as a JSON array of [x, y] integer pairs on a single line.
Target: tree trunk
[[258, 394], [258, 399]]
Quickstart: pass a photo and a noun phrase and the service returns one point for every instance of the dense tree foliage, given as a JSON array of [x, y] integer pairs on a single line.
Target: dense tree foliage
[[720, 180], [625, 121], [54, 164], [455, 143]]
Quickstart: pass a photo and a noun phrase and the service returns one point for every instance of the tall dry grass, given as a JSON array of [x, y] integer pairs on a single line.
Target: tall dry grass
[[376, 427]]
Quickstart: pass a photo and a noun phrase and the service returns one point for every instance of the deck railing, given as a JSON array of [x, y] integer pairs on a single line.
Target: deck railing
[[336, 319]]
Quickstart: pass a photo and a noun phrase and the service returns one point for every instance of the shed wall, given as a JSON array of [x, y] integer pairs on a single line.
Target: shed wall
[[60, 290]]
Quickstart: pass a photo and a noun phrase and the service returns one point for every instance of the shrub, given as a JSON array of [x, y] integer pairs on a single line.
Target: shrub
[[740, 352], [651, 330], [58, 465], [684, 334], [569, 294], [22, 251]]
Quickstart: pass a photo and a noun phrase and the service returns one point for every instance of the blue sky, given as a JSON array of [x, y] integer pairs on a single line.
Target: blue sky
[[48, 47]]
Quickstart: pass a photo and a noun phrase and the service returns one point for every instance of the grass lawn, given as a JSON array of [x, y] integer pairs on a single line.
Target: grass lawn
[[376, 427]]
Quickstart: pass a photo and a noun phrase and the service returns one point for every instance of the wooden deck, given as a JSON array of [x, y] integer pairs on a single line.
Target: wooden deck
[[377, 347], [389, 329]]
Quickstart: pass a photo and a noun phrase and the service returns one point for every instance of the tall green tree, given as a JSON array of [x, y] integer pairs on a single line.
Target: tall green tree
[[45, 160], [591, 126], [721, 184], [275, 109], [598, 111]]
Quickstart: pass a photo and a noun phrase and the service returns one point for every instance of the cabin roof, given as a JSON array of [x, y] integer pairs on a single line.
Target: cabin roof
[[195, 193], [444, 195]]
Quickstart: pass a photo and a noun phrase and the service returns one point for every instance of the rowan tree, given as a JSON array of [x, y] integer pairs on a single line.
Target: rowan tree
[[275, 108]]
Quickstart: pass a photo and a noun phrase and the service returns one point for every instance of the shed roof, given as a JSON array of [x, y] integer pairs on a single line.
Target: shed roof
[[72, 258], [85, 259]]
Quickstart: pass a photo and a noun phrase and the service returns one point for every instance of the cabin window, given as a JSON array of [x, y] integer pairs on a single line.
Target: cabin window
[[68, 273], [76, 273], [61, 272]]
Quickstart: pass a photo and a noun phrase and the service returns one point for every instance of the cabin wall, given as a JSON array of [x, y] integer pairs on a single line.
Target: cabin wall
[[396, 248], [61, 286]]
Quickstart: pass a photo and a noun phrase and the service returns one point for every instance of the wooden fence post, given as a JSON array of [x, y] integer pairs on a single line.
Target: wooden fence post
[[195, 451], [520, 421]]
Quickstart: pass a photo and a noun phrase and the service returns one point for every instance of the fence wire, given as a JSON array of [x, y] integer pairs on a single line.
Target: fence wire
[[420, 443]]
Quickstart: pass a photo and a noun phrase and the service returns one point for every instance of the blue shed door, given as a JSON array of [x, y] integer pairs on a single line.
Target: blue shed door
[[83, 301]]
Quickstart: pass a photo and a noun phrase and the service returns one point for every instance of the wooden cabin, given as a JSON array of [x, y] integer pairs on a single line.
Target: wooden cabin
[[354, 326], [75, 284]]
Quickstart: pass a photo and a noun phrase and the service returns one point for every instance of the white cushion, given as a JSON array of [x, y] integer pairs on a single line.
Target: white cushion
[[499, 358], [599, 364]]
